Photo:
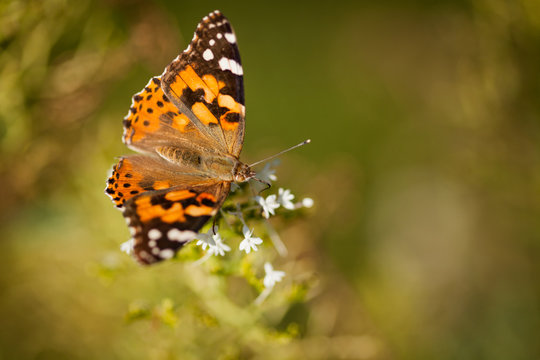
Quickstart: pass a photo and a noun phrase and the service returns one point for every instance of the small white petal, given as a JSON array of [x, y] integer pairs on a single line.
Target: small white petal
[[247, 233], [307, 202], [127, 246], [266, 205], [249, 243], [268, 268], [272, 276], [285, 198]]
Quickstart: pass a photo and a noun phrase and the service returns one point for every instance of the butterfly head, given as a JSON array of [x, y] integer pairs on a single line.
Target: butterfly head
[[242, 172]]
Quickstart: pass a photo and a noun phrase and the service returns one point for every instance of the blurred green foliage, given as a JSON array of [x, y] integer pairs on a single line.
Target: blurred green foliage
[[425, 238]]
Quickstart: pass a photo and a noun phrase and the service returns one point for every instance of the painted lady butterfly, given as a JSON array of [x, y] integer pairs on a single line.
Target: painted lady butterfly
[[189, 126]]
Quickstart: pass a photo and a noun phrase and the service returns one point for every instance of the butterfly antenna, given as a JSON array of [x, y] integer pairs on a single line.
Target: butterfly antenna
[[281, 152]]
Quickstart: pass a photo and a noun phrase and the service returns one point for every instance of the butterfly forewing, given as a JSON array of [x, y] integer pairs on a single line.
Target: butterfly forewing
[[153, 121], [206, 83]]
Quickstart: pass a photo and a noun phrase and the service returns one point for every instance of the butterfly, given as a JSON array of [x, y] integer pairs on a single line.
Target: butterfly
[[188, 126]]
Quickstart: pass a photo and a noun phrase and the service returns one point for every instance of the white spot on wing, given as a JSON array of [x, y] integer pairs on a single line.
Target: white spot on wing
[[230, 37], [219, 35], [166, 254], [208, 55], [154, 234], [212, 42], [224, 64], [181, 236], [229, 64]]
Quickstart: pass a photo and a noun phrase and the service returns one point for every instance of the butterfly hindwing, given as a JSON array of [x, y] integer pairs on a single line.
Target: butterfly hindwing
[[162, 221], [205, 82]]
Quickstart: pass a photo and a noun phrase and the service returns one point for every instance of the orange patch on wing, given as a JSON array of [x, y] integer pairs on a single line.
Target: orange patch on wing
[[178, 86], [179, 195], [194, 210], [175, 213], [161, 184], [180, 121], [195, 82], [201, 111], [208, 196], [213, 84], [228, 102], [146, 211], [226, 125]]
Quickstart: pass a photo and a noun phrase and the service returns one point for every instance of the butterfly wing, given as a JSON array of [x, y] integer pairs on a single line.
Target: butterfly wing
[[205, 82], [162, 221], [136, 174], [154, 121]]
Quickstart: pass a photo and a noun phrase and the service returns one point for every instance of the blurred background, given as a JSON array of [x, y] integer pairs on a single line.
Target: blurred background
[[424, 239]]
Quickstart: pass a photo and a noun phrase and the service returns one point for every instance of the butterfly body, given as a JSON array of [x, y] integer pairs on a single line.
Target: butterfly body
[[224, 167], [188, 126]]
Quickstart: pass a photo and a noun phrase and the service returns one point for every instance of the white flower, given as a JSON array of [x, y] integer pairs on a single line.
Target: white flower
[[272, 276], [284, 198], [220, 248], [127, 246], [307, 202], [205, 240], [213, 242], [267, 174], [249, 243], [268, 205]]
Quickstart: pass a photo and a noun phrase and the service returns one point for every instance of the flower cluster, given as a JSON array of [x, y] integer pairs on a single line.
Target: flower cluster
[[283, 198]]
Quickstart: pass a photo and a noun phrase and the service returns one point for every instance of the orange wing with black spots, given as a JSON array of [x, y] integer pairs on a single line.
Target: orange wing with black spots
[[162, 221], [205, 83], [154, 121]]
